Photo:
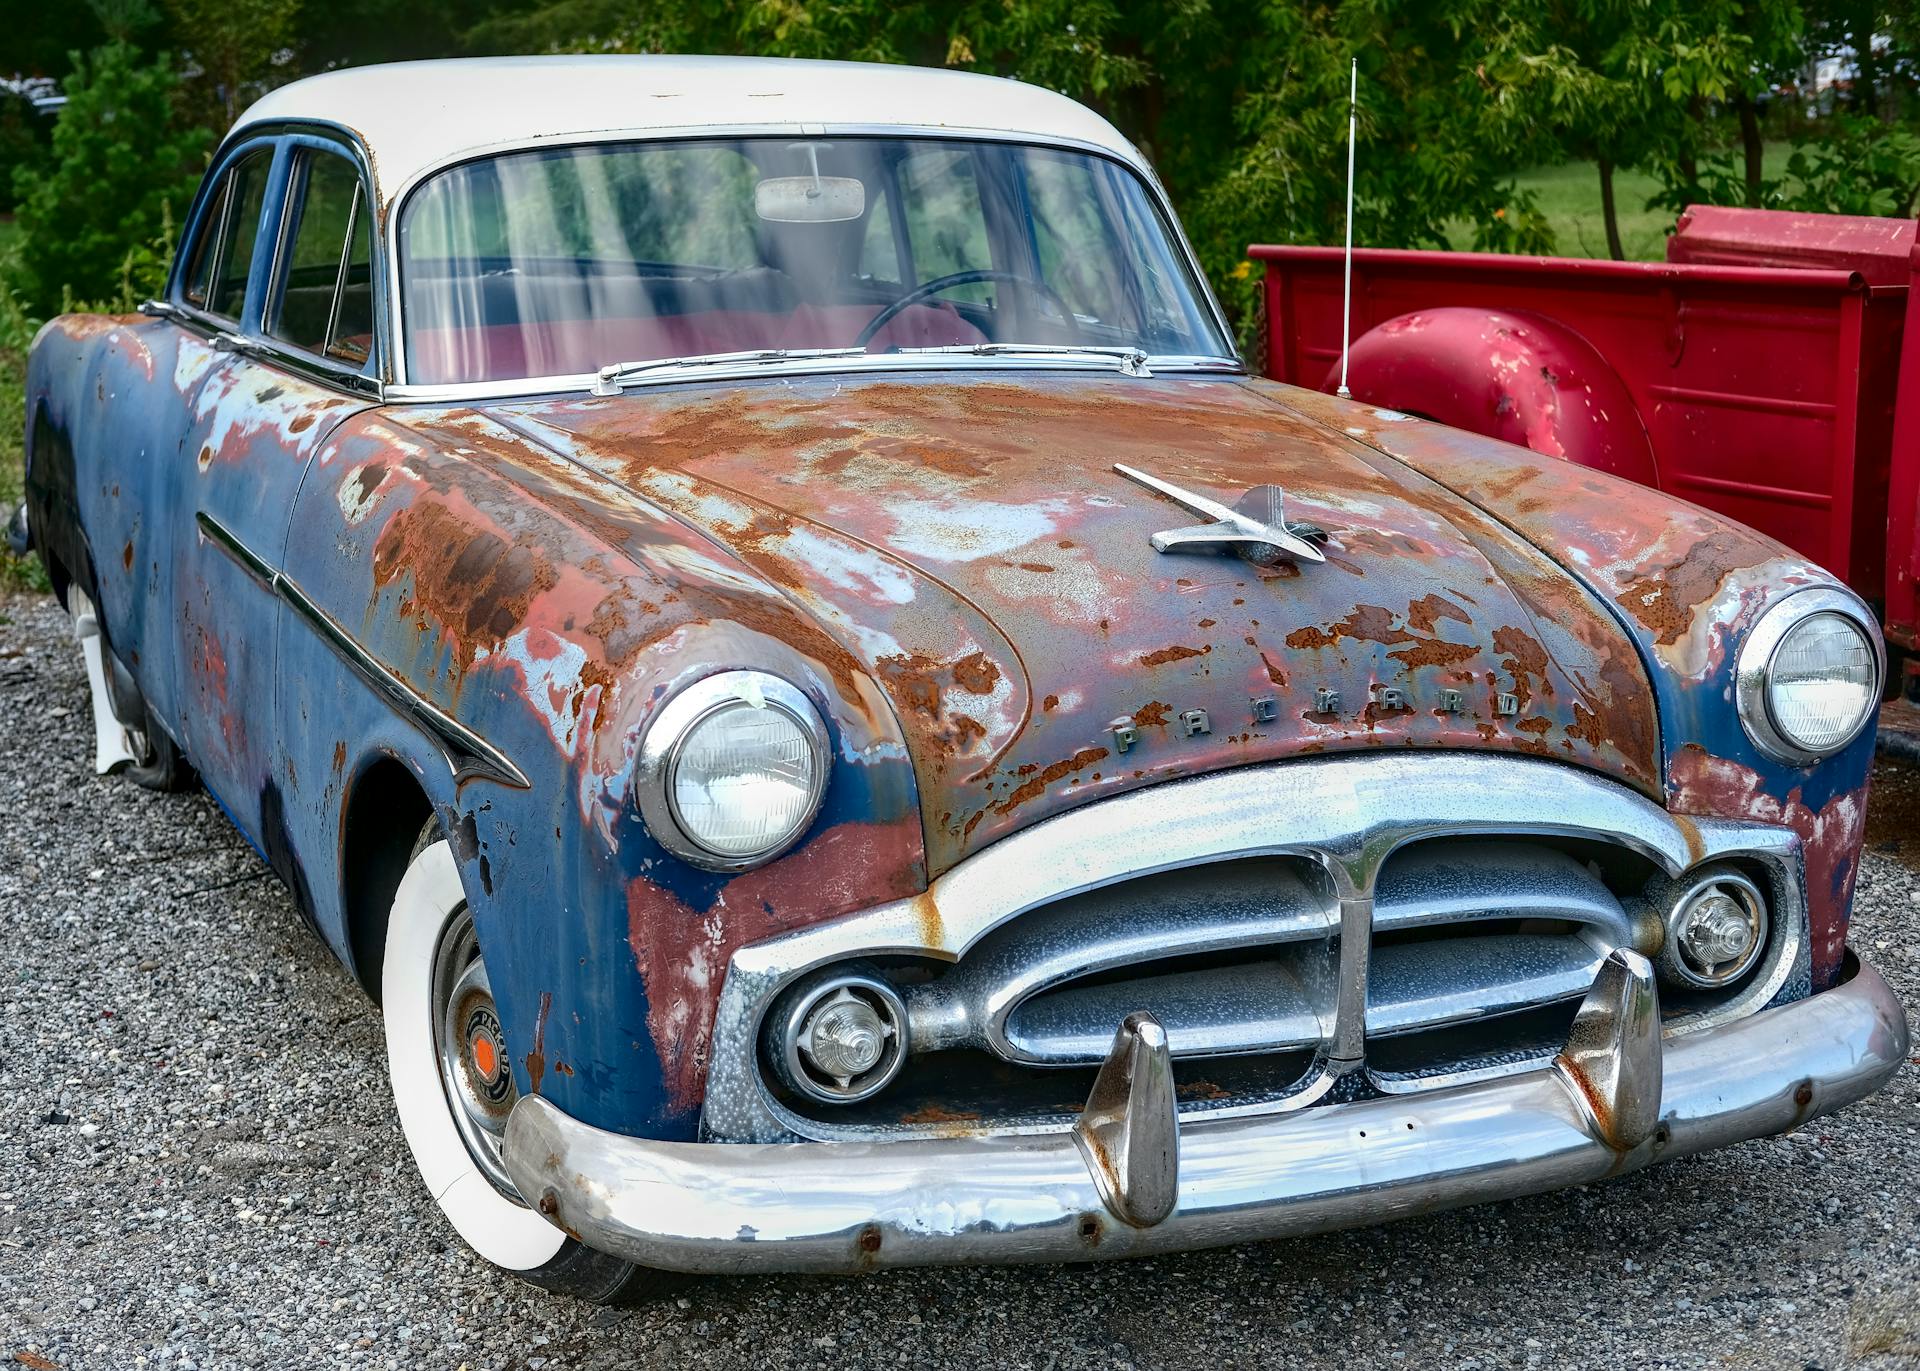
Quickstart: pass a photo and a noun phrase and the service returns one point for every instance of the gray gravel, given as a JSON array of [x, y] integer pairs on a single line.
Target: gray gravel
[[199, 1167]]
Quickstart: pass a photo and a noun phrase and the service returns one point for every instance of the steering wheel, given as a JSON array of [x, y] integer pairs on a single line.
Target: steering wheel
[[965, 278]]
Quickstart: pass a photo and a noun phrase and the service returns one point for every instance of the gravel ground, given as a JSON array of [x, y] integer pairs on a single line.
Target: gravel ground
[[201, 1169]]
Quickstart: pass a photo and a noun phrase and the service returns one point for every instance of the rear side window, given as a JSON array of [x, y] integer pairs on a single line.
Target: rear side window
[[325, 299], [222, 257]]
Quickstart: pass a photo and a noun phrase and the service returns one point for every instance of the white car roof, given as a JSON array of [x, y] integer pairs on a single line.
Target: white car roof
[[415, 116]]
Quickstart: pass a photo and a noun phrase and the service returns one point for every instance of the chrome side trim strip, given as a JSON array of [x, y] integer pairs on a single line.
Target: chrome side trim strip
[[1346, 814], [1621, 1101], [468, 755]]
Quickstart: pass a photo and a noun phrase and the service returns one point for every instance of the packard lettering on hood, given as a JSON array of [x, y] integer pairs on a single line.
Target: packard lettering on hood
[[833, 758]]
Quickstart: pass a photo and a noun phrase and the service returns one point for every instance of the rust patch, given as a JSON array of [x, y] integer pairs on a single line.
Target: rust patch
[[976, 674], [1151, 716], [926, 913], [934, 1115], [1428, 610], [1433, 652], [1173, 654], [301, 425], [1526, 661], [1037, 785], [126, 556], [474, 582], [1664, 599], [537, 1059]]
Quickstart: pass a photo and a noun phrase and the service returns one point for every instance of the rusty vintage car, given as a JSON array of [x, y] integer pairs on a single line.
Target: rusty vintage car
[[757, 609]]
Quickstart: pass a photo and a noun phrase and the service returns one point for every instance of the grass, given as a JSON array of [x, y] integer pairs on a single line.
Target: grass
[[1569, 196]]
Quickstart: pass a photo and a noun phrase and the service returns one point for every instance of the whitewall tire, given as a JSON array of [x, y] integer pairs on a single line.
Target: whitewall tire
[[429, 912]]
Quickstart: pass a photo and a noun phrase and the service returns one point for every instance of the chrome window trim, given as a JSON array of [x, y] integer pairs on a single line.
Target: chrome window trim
[[229, 335], [394, 205], [1348, 814], [1755, 663], [214, 196]]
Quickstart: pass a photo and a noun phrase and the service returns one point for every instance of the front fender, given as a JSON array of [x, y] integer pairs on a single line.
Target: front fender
[[550, 613]]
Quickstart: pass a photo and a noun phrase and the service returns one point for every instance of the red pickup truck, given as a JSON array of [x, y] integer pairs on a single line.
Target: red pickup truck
[[1757, 371]]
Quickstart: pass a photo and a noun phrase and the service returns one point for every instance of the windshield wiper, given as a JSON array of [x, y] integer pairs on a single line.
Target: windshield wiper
[[1132, 361], [609, 379]]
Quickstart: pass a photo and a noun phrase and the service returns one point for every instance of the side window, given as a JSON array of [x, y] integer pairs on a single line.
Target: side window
[[324, 303], [222, 258]]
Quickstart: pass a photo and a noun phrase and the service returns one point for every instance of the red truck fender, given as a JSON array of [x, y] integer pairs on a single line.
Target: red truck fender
[[1508, 374]]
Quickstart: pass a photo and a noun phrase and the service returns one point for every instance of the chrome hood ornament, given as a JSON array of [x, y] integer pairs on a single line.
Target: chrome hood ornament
[[1256, 528]]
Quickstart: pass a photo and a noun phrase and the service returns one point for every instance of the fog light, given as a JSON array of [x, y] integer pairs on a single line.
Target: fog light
[[843, 1037], [1716, 929]]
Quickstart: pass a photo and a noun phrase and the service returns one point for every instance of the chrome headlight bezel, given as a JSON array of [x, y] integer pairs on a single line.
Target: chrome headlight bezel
[[664, 740], [1753, 671]]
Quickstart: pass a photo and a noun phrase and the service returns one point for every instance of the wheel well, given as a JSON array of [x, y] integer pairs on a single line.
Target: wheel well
[[386, 809]]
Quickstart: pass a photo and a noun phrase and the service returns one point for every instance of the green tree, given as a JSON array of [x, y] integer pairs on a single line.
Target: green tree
[[239, 45], [120, 169]]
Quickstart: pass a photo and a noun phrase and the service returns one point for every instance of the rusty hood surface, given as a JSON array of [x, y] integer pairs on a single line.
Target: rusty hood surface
[[970, 542]]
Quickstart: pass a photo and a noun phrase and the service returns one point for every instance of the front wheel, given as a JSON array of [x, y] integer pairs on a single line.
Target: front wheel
[[453, 1087]]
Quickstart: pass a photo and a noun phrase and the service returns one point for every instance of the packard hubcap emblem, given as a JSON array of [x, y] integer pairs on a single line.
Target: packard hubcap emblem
[[1256, 528]]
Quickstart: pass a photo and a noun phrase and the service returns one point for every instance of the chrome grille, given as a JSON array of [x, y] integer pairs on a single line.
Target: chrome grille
[[1303, 931]]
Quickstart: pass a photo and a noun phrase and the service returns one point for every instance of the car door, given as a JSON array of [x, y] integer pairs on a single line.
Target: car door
[[299, 360]]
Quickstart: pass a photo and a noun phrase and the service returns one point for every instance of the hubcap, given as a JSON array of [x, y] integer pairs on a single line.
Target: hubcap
[[472, 1049]]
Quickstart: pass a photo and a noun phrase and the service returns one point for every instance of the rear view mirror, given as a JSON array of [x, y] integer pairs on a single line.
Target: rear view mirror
[[809, 199]]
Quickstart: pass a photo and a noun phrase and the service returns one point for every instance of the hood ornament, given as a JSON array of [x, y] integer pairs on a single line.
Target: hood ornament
[[1256, 528]]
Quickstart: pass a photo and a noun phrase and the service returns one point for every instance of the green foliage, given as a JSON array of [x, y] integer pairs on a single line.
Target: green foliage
[[23, 141], [120, 171], [235, 43], [1855, 165], [17, 328]]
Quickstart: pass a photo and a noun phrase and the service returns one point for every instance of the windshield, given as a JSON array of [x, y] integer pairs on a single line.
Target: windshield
[[560, 262]]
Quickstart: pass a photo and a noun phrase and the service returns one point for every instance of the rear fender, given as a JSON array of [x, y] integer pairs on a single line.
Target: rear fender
[[1508, 374]]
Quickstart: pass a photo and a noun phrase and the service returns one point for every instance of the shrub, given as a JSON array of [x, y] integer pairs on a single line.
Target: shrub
[[119, 169], [1856, 165]]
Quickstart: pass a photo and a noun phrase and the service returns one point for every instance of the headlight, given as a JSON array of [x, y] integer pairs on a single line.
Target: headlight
[[732, 770], [1809, 676]]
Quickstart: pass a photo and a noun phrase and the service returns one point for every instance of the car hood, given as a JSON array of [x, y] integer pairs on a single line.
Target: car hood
[[971, 542]]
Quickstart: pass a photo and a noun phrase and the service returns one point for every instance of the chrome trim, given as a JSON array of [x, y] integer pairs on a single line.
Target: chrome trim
[[467, 754], [396, 204], [669, 727], [1754, 666], [1617, 1098], [675, 374], [1345, 814]]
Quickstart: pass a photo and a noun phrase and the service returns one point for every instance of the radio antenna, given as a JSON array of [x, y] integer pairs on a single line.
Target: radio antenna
[[1346, 298]]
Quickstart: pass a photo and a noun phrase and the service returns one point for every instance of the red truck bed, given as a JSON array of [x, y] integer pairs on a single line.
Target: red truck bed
[[1763, 391]]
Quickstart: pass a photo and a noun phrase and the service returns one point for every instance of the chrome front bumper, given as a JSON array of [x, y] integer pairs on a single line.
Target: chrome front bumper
[[1128, 1179]]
